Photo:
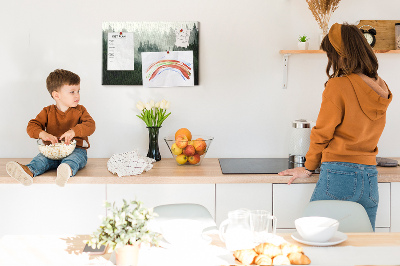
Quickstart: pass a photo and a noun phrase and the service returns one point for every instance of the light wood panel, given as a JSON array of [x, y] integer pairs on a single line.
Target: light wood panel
[[385, 36], [167, 171]]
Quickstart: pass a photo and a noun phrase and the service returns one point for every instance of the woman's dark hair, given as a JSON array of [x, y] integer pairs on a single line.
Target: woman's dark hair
[[358, 54]]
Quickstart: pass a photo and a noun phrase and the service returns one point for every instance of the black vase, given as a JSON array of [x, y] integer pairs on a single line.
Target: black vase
[[153, 152]]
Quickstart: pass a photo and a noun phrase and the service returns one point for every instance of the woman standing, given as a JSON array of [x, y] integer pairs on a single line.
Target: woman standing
[[349, 124]]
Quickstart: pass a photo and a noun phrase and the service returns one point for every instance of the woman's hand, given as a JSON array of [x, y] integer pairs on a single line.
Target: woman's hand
[[48, 137], [67, 136], [296, 173]]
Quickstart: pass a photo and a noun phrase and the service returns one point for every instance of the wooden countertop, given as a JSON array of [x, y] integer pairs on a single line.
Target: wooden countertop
[[167, 171]]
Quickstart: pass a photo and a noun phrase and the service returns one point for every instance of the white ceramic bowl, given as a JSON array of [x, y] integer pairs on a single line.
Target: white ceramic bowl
[[316, 229], [182, 231]]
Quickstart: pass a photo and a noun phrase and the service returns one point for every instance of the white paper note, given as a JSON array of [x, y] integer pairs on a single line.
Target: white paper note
[[120, 53]]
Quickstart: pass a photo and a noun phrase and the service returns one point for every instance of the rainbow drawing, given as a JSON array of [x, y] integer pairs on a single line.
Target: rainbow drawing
[[160, 66]]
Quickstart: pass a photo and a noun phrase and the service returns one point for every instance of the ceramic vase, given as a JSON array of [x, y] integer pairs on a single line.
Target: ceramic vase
[[302, 45], [127, 255], [154, 151]]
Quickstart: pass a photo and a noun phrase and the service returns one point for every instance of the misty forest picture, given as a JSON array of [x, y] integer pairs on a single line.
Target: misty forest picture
[[150, 37]]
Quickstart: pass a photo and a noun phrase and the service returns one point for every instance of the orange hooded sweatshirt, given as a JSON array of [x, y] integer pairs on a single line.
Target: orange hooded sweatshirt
[[350, 122]]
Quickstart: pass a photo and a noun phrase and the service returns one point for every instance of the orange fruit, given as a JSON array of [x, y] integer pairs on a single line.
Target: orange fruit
[[184, 131]]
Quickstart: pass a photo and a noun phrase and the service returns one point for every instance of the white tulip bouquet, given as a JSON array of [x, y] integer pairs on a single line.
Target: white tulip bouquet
[[153, 114]]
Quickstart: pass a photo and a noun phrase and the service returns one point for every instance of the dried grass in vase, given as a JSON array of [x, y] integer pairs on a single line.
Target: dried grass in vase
[[322, 11]]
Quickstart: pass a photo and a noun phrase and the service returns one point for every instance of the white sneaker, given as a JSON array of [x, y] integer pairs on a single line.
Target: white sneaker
[[64, 172], [20, 172]]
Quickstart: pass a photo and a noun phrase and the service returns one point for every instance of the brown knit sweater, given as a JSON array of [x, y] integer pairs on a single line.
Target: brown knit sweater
[[56, 123], [350, 122]]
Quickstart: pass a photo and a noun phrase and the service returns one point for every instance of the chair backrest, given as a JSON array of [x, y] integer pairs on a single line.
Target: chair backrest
[[351, 215], [186, 211]]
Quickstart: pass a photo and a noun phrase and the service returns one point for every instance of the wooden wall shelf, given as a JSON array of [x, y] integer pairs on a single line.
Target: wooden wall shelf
[[322, 52], [286, 54]]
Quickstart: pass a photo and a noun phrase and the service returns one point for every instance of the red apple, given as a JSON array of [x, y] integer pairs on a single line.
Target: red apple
[[189, 150], [181, 141], [195, 159], [201, 152], [199, 144]]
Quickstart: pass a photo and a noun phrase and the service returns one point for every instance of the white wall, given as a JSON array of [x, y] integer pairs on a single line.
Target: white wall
[[239, 100]]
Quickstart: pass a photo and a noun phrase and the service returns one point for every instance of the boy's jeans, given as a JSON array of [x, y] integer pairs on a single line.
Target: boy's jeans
[[76, 160], [351, 182]]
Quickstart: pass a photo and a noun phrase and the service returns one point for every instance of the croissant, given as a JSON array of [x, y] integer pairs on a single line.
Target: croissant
[[263, 260], [290, 248], [245, 256], [268, 249], [298, 258], [281, 260]]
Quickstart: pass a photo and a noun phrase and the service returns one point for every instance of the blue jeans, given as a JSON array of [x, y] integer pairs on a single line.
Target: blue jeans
[[351, 182], [76, 160]]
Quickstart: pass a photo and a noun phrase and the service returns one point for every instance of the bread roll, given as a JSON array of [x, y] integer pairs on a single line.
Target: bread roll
[[245, 256], [268, 249], [263, 260], [298, 258], [281, 260], [290, 248]]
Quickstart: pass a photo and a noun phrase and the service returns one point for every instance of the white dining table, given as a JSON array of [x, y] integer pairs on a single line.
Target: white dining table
[[358, 249]]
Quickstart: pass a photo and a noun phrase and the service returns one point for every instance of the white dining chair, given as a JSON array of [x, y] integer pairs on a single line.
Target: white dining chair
[[351, 215], [186, 211]]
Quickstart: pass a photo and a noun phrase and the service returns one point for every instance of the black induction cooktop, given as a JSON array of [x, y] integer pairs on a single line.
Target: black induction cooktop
[[253, 165]]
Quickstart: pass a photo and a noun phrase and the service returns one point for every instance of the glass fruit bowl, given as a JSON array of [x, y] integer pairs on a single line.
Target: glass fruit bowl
[[57, 151], [189, 152]]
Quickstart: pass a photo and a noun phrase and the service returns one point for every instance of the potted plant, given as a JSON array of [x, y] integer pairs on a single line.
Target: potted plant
[[303, 42], [123, 229]]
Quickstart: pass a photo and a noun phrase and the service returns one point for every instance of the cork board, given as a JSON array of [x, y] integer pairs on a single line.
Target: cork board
[[385, 38]]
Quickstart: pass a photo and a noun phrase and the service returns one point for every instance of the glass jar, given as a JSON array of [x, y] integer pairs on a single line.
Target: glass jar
[[299, 142], [397, 35]]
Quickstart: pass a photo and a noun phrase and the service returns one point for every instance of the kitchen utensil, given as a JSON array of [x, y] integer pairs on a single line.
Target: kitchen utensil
[[236, 231], [299, 142], [316, 229], [260, 225]]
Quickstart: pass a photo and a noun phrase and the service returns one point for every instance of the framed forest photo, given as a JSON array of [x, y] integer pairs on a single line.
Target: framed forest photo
[[167, 52]]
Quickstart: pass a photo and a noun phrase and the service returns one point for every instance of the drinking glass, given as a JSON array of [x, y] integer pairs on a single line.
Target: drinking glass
[[260, 225]]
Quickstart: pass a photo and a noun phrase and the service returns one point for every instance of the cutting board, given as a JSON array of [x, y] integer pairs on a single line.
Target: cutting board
[[385, 37]]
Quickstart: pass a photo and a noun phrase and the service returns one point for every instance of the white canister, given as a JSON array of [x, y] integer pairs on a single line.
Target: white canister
[[299, 141]]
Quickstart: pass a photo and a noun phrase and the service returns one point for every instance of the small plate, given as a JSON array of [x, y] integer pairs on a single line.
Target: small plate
[[338, 238]]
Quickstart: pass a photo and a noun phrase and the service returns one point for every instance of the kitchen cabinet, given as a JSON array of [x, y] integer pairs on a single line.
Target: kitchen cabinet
[[395, 207], [159, 194], [230, 197], [50, 209], [290, 201]]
